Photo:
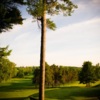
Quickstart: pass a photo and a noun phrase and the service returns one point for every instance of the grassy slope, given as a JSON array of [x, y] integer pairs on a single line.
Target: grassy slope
[[18, 89]]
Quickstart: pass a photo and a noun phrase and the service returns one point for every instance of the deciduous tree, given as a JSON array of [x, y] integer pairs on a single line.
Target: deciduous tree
[[7, 68], [87, 74]]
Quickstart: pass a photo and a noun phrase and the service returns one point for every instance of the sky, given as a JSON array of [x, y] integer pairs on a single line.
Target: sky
[[76, 39]]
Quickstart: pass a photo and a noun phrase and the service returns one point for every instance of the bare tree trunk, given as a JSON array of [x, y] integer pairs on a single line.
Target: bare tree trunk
[[42, 55], [88, 85]]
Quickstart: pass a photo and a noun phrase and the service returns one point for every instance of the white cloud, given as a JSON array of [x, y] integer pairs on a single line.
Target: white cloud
[[74, 43], [77, 30], [68, 45], [97, 2]]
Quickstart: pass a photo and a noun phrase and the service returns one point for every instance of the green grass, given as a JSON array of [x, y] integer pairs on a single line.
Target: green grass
[[17, 88], [72, 93], [21, 89]]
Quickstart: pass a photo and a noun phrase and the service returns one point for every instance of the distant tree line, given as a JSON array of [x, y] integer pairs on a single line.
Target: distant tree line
[[56, 75], [24, 71], [59, 75]]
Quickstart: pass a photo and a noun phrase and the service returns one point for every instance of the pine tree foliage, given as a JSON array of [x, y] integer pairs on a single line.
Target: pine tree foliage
[[52, 7], [4, 52], [10, 14], [50, 24]]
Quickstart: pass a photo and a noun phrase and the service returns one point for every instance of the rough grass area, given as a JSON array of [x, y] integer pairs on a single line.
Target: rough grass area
[[21, 89]]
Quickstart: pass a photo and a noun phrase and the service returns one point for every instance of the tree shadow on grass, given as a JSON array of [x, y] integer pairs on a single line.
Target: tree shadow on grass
[[70, 93], [17, 85], [60, 93], [21, 98]]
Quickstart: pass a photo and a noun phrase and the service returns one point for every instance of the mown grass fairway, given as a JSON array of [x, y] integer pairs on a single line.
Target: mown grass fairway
[[21, 89], [17, 89]]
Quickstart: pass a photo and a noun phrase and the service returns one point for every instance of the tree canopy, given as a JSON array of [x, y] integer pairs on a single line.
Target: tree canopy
[[7, 68], [87, 74], [10, 14], [52, 7], [4, 52]]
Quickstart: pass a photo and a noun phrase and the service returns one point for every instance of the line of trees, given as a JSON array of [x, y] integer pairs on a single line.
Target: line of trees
[[56, 75], [24, 71], [59, 75]]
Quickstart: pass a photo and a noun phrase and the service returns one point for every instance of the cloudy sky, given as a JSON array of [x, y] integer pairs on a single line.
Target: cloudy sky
[[76, 39]]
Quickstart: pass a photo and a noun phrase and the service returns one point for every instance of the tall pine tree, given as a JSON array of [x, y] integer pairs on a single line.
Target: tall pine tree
[[38, 9]]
